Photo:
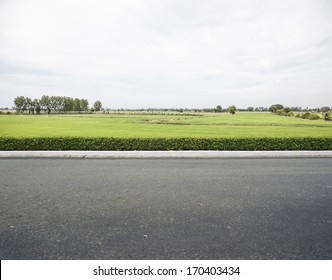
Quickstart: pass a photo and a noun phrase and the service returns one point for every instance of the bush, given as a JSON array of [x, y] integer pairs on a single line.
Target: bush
[[232, 109], [327, 116], [284, 112], [163, 144], [287, 110], [305, 115], [280, 112], [314, 117], [308, 116]]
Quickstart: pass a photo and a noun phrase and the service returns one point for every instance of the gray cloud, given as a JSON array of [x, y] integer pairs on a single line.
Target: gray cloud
[[168, 53]]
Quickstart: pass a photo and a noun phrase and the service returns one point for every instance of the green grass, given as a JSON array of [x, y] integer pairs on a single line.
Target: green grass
[[162, 126]]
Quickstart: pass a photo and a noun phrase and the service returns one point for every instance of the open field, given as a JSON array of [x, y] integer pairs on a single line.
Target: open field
[[209, 125]]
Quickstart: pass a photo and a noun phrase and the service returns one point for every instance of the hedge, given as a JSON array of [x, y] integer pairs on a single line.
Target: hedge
[[163, 144]]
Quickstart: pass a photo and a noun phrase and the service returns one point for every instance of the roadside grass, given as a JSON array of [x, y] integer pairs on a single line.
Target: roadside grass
[[209, 125]]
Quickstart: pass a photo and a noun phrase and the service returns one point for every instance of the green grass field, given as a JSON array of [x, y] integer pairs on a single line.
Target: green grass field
[[210, 125]]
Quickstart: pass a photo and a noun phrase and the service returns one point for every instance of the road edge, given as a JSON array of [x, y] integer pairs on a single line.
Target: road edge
[[164, 154]]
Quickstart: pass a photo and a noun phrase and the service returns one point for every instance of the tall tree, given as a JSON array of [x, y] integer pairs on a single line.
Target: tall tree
[[29, 105], [56, 103], [68, 104], [20, 104], [45, 103], [84, 104], [77, 104], [37, 107], [97, 106]]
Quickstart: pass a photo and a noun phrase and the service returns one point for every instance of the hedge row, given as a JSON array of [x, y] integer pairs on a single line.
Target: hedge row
[[164, 144]]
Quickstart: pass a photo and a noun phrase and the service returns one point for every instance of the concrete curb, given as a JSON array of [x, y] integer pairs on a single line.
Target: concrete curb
[[165, 154]]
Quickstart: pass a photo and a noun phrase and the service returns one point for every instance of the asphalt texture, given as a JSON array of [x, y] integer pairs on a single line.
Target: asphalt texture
[[166, 208]]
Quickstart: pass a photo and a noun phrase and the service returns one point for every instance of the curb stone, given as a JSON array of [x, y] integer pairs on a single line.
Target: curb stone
[[164, 154]]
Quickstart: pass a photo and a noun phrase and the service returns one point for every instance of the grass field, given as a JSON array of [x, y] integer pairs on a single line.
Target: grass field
[[210, 125]]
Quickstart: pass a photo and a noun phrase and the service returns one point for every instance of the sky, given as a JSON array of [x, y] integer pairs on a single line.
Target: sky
[[168, 53]]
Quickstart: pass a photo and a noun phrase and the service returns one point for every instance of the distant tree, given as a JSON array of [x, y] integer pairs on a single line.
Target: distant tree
[[218, 109], [232, 109], [57, 103], [45, 103], [28, 104], [250, 109], [60, 103], [37, 107], [20, 104], [76, 104], [84, 104], [296, 109], [53, 103], [208, 110], [97, 106], [68, 104], [273, 108], [261, 109], [287, 110], [325, 109]]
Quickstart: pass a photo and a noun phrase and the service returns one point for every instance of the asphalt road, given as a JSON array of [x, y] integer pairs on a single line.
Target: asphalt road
[[166, 208]]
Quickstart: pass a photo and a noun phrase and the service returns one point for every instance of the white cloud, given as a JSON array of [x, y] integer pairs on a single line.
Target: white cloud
[[168, 53]]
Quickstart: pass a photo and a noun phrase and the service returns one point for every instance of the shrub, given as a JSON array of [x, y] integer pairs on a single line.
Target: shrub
[[314, 117], [305, 115], [308, 116], [284, 112], [163, 144], [280, 112], [327, 116], [287, 110]]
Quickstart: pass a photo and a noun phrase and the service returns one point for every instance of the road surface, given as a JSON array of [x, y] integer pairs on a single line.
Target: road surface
[[166, 208]]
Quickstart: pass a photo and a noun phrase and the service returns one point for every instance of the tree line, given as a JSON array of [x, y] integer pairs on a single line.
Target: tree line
[[63, 104], [58, 104]]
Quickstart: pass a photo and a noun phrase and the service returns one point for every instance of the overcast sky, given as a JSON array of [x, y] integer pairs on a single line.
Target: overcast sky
[[168, 53]]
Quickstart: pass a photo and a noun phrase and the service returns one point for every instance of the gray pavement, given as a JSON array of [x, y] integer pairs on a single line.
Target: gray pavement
[[249, 208]]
